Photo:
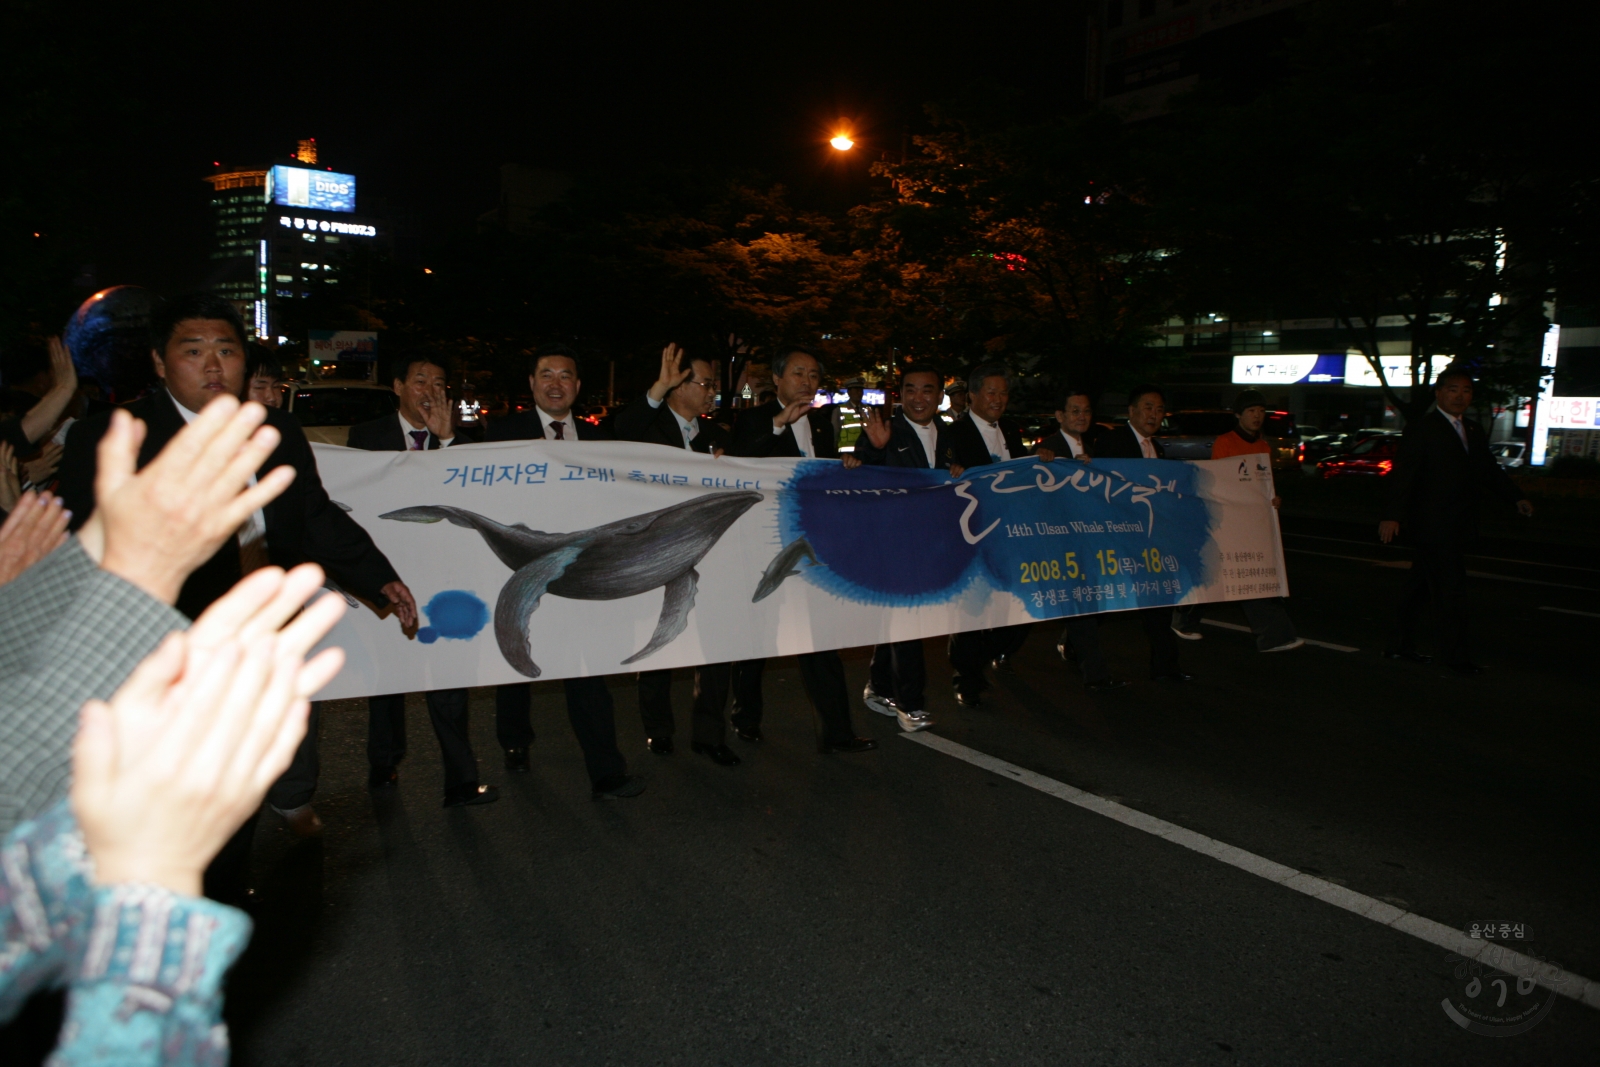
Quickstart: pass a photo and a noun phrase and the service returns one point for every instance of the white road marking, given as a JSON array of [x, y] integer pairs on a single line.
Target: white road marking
[[1570, 611], [1405, 564], [1583, 990], [1309, 641], [1470, 555]]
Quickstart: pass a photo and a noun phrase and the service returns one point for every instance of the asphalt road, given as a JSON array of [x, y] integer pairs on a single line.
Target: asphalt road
[[905, 906]]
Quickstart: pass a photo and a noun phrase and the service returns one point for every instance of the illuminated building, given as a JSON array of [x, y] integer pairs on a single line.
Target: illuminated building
[[282, 238]]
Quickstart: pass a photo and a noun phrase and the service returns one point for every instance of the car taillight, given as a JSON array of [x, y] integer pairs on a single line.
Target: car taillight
[[1300, 452], [1385, 465]]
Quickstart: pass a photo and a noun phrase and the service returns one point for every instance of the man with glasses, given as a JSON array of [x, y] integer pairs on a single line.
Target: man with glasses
[[671, 414]]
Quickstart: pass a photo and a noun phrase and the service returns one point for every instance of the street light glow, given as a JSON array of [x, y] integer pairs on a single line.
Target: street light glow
[[842, 143]]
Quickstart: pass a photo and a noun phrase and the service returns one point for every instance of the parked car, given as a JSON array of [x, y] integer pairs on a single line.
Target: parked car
[[1190, 435], [1509, 453], [1372, 458], [1323, 445], [327, 409]]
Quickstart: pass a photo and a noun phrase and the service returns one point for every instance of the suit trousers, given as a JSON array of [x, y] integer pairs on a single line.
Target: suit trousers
[[513, 718], [298, 784], [1157, 624], [971, 652], [594, 723], [655, 710], [822, 674], [447, 711], [899, 671], [1081, 636], [1268, 619], [1439, 573]]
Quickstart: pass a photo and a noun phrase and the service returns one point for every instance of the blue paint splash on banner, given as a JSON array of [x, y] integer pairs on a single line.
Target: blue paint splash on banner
[[456, 615]]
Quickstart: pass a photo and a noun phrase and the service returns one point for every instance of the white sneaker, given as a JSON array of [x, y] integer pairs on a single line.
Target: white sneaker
[[1296, 643], [881, 704], [1189, 635], [912, 721]]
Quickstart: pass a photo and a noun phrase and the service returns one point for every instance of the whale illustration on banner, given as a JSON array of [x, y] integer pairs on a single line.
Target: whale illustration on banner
[[609, 562]]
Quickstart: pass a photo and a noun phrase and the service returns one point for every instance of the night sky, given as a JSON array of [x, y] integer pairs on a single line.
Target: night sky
[[424, 107]]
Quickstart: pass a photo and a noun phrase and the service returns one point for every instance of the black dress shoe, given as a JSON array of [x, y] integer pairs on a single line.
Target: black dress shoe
[[620, 787], [1003, 663], [1176, 677], [968, 700], [1467, 668], [517, 760], [661, 746], [472, 793], [748, 733], [854, 744], [721, 755], [1105, 685], [382, 777], [1408, 656]]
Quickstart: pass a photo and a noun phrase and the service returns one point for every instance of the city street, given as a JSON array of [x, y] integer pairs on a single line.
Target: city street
[[909, 906]]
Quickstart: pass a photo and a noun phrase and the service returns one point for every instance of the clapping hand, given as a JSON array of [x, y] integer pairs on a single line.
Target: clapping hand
[[43, 468], [670, 377], [154, 527], [186, 749], [10, 484], [35, 528]]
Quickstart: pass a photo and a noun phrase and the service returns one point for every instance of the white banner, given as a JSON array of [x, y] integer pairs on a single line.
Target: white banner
[[537, 559]]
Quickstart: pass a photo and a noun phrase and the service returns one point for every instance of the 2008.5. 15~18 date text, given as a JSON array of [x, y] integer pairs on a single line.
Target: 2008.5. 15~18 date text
[[1105, 560]]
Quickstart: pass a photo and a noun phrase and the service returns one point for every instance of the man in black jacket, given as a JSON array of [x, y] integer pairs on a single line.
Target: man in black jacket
[[1080, 634], [553, 377], [671, 413], [422, 422], [1136, 439], [198, 351], [1441, 471], [915, 437], [789, 426], [975, 440]]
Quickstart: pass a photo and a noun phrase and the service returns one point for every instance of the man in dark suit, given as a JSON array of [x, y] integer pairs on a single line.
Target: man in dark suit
[[1136, 439], [672, 413], [422, 422], [553, 378], [975, 440], [914, 437], [789, 426], [1080, 634], [1441, 471], [198, 351]]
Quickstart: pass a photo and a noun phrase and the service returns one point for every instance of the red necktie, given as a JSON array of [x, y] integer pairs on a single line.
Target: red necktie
[[560, 429]]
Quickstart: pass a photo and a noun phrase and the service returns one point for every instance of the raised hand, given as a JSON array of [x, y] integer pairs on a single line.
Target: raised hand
[[876, 427], [41, 470], [791, 414], [439, 414], [44, 415], [670, 377], [1387, 529], [154, 527], [35, 528], [10, 484]]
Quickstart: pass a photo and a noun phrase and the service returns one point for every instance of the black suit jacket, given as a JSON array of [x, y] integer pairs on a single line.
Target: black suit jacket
[[302, 524], [967, 448], [753, 436], [659, 426], [527, 426], [905, 447], [1123, 443], [384, 434], [1437, 484]]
